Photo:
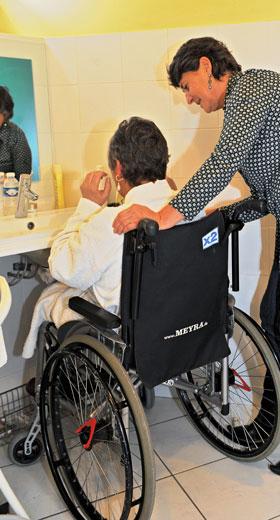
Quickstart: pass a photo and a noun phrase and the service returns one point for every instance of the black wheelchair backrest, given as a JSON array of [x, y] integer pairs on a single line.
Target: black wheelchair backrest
[[174, 297]]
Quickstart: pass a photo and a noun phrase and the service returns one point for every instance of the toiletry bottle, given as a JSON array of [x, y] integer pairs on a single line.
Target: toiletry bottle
[[2, 178], [58, 186], [10, 194]]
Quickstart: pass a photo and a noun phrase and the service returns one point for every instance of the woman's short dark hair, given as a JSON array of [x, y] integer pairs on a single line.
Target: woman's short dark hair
[[187, 59], [142, 150], [6, 103]]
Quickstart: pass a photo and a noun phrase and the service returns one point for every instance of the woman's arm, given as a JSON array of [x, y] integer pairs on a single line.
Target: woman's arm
[[129, 218]]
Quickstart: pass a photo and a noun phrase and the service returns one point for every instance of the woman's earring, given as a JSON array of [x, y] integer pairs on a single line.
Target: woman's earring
[[118, 179], [209, 82]]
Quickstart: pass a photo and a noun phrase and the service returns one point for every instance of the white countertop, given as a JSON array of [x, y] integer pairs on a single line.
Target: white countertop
[[20, 235]]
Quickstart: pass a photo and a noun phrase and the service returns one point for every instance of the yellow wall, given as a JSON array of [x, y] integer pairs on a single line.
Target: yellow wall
[[76, 17]]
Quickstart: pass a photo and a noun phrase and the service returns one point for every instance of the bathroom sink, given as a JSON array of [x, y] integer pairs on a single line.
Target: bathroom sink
[[53, 219], [19, 235]]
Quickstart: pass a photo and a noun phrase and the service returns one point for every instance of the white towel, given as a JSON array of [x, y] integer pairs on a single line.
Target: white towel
[[53, 306]]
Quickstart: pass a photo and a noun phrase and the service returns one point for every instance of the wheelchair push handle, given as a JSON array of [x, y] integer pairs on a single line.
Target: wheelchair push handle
[[235, 225], [249, 205], [150, 227]]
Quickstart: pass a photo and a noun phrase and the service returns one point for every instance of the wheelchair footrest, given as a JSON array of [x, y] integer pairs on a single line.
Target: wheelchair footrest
[[96, 315]]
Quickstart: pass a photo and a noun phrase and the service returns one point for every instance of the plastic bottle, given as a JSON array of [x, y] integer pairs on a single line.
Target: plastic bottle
[[2, 178], [10, 194]]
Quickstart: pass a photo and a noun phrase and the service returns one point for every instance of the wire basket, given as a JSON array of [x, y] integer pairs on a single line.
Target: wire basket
[[17, 409]]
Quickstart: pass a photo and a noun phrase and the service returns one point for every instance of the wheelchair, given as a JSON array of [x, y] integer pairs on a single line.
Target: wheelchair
[[179, 327]]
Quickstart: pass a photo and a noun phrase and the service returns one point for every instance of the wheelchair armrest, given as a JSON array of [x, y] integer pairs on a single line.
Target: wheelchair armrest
[[96, 315]]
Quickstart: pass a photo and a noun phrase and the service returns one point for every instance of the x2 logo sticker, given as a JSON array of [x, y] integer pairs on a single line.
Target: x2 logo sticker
[[211, 238]]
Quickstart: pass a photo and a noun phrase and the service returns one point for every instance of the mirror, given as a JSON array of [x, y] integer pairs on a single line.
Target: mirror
[[16, 75]]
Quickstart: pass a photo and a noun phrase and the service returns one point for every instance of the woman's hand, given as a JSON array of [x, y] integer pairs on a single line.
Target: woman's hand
[[90, 187], [129, 218]]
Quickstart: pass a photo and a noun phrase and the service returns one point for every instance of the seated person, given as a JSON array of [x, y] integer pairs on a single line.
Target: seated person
[[15, 153], [86, 257]]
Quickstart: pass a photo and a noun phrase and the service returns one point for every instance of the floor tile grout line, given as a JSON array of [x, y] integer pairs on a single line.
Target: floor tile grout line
[[166, 421], [199, 466], [54, 515], [8, 465], [189, 497], [189, 469], [164, 464], [180, 485]]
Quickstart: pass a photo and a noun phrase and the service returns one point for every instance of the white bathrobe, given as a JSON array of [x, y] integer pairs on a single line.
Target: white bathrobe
[[86, 257]]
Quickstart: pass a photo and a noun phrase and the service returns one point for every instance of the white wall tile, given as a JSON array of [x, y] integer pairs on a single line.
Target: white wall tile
[[144, 55], [250, 241], [42, 109], [45, 152], [99, 58], [148, 99], [67, 151], [101, 107], [189, 149], [94, 150], [61, 60], [254, 45], [64, 102]]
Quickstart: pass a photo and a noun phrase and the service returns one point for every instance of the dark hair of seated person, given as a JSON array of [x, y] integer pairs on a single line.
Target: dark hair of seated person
[[142, 150], [6, 103]]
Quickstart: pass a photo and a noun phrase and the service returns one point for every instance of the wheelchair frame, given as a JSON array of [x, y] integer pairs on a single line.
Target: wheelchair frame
[[207, 394]]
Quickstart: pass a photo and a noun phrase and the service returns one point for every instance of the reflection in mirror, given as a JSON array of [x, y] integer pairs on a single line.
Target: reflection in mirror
[[16, 75]]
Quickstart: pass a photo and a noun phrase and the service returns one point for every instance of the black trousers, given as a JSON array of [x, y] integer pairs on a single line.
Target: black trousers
[[270, 321], [270, 308]]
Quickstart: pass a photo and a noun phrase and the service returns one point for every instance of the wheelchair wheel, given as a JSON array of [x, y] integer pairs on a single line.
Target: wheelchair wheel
[[16, 450], [95, 434], [251, 429]]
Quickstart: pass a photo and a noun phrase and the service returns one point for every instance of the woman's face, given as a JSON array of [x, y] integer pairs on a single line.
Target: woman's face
[[195, 85]]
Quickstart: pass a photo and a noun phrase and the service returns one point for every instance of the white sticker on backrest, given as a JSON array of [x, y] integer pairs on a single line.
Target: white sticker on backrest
[[211, 238]]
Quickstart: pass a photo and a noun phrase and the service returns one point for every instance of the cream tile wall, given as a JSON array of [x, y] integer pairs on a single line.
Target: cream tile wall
[[35, 49], [96, 81]]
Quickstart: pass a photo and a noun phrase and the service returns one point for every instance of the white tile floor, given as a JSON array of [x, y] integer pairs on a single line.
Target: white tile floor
[[194, 481]]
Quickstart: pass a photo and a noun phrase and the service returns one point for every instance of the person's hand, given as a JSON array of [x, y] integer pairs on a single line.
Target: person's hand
[[90, 187], [208, 211], [129, 218]]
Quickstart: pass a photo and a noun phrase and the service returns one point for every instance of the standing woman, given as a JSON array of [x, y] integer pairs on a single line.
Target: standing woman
[[249, 143], [15, 153]]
